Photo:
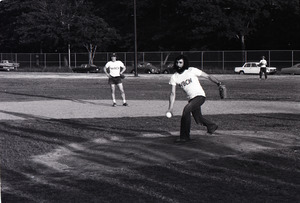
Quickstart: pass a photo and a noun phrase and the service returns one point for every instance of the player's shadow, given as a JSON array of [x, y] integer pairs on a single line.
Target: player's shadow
[[252, 177], [56, 98], [114, 164]]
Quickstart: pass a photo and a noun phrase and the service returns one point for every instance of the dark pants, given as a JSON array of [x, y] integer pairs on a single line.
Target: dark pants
[[263, 70], [194, 107]]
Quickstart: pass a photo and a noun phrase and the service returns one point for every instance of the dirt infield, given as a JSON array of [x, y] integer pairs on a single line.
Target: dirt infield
[[67, 109]]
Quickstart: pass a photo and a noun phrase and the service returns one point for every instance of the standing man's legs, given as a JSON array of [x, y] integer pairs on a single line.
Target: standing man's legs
[[121, 88], [260, 73], [113, 96], [265, 72]]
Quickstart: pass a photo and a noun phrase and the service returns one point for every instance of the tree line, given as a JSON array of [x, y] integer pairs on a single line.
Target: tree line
[[162, 25]]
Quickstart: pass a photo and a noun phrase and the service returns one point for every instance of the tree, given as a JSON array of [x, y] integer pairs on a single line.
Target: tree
[[157, 23], [50, 25], [91, 32], [10, 10], [53, 24], [43, 25], [282, 29], [161, 25], [243, 18], [119, 15], [224, 20]]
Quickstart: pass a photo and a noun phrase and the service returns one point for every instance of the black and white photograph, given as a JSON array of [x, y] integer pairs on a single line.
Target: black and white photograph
[[144, 101]]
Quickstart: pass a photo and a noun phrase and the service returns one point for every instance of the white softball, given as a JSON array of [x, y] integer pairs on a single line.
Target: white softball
[[169, 114]]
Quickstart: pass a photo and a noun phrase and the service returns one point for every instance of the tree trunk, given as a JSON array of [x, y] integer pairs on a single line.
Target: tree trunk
[[243, 46], [92, 51]]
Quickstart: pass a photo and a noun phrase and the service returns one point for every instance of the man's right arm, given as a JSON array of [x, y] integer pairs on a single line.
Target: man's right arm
[[172, 98]]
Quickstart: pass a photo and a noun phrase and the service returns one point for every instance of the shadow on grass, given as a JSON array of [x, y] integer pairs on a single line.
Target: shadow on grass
[[259, 177], [109, 160], [54, 98]]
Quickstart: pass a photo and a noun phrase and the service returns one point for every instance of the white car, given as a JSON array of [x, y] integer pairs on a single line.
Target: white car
[[253, 68], [8, 65]]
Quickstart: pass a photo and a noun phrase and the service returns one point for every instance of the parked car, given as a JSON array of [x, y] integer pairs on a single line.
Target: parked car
[[86, 68], [168, 69], [8, 65], [293, 70], [146, 67], [253, 68]]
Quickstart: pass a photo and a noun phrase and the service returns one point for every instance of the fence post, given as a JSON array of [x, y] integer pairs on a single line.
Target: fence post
[[75, 60], [161, 60], [59, 60], [125, 58], [45, 61], [223, 60], [30, 59], [269, 58], [202, 59]]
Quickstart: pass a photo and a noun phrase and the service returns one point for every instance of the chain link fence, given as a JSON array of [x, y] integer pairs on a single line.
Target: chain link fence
[[210, 61]]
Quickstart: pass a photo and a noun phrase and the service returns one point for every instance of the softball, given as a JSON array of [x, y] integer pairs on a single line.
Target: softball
[[169, 114]]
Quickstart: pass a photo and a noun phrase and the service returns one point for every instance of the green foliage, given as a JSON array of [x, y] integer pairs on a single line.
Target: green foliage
[[9, 12], [281, 30], [49, 26]]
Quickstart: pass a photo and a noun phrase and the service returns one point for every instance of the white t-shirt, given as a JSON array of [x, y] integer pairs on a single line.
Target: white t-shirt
[[189, 82], [114, 67], [263, 63]]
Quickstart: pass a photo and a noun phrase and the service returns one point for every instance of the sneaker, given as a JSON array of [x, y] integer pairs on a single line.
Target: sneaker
[[212, 129], [125, 104], [114, 105]]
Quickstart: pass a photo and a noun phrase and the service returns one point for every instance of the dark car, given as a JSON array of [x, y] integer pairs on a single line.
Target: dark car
[[293, 70], [168, 69], [146, 67], [86, 68]]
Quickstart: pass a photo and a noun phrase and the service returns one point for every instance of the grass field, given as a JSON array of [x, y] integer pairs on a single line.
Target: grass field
[[253, 158]]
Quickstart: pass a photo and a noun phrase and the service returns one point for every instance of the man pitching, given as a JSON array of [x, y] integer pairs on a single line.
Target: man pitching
[[114, 69], [187, 78]]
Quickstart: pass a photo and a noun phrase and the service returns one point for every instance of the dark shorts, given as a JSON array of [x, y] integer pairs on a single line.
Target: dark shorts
[[114, 80]]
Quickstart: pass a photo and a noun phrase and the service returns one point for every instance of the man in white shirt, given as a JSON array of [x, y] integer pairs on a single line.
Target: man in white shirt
[[114, 69], [263, 67], [187, 78]]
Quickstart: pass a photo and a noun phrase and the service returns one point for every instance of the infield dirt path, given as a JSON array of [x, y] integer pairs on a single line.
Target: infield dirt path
[[68, 109]]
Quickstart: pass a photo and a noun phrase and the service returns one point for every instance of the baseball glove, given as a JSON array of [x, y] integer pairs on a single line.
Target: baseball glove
[[122, 76], [223, 91]]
